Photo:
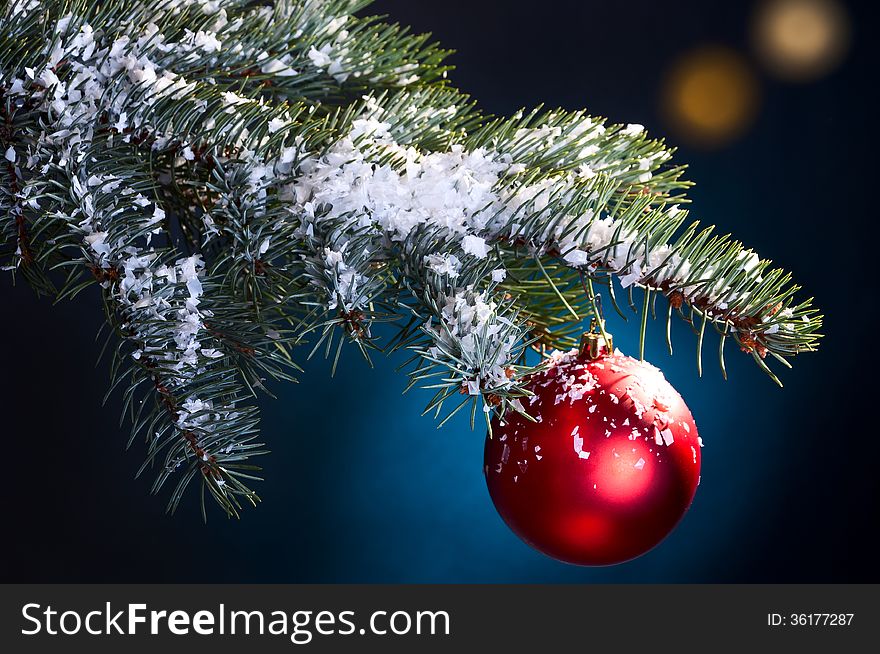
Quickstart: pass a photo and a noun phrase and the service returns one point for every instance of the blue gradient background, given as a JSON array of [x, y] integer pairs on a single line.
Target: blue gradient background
[[360, 488]]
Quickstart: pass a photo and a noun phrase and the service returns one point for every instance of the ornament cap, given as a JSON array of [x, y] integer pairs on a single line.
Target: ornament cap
[[595, 344]]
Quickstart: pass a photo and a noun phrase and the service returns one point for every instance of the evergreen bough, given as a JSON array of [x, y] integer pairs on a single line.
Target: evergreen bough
[[245, 178]]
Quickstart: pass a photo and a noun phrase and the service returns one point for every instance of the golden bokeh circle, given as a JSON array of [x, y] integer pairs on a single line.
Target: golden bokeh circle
[[710, 96], [801, 40]]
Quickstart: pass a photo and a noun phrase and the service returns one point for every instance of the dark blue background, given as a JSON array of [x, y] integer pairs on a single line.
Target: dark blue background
[[360, 488]]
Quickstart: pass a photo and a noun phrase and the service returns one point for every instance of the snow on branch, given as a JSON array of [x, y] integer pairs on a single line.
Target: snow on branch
[[244, 177]]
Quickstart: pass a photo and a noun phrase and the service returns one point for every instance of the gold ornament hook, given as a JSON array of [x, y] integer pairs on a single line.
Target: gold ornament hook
[[593, 341]]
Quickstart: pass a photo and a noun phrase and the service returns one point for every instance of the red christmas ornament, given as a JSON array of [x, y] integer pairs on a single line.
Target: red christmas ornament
[[608, 470]]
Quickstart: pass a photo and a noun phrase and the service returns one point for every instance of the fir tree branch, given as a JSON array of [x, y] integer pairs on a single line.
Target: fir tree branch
[[242, 178]]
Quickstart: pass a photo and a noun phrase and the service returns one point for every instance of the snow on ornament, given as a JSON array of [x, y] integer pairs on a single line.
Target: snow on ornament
[[619, 458]]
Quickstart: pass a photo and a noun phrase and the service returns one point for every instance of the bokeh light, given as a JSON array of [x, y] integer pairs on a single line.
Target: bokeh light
[[801, 40], [710, 96]]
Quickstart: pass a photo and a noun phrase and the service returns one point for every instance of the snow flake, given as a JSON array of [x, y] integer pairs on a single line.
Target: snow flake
[[633, 129], [276, 124], [475, 245], [499, 275]]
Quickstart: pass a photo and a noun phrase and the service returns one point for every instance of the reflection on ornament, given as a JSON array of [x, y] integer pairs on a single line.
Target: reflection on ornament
[[710, 96], [801, 39]]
